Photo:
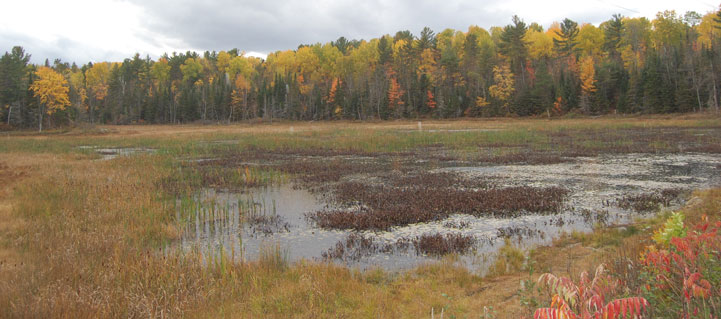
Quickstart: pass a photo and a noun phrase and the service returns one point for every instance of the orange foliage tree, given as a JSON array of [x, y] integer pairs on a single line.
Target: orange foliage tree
[[588, 81], [394, 95], [431, 100]]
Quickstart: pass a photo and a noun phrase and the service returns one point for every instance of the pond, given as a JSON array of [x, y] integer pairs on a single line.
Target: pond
[[602, 190]]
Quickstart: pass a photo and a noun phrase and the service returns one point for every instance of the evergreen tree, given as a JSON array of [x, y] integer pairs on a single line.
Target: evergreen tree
[[13, 81], [566, 45]]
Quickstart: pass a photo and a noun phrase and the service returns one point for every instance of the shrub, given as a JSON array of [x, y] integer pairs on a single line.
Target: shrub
[[683, 278], [587, 298], [672, 228]]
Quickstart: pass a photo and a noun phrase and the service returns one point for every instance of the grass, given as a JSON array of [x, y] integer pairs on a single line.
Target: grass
[[510, 259], [82, 238]]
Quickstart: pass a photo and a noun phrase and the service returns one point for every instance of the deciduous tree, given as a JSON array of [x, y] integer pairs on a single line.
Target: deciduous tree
[[51, 89]]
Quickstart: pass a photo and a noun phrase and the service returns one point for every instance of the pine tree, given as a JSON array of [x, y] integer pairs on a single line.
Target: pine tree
[[566, 45]]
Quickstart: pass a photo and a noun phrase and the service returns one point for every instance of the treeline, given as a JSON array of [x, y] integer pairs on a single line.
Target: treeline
[[627, 65]]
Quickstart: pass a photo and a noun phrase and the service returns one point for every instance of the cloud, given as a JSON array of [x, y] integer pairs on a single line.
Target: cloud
[[275, 25], [266, 26], [93, 30]]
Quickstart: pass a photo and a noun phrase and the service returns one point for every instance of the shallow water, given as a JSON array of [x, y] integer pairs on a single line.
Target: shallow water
[[222, 219], [111, 153], [220, 223]]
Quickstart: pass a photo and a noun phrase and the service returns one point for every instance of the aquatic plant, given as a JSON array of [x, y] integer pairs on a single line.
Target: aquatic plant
[[649, 202], [383, 207], [439, 244]]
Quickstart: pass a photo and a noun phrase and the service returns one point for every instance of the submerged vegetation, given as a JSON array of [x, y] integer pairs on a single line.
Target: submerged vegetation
[[85, 237]]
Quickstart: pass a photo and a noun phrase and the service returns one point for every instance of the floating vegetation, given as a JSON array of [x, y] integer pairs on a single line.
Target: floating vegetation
[[267, 225], [649, 202], [595, 216], [262, 220], [520, 232], [353, 248], [439, 180], [457, 224], [438, 244], [356, 246], [394, 210], [528, 158], [382, 207]]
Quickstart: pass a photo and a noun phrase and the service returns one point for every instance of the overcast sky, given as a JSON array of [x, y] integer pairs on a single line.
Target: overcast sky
[[111, 30]]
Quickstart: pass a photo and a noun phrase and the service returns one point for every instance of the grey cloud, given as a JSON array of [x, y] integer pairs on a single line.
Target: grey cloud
[[266, 26], [276, 25], [62, 48]]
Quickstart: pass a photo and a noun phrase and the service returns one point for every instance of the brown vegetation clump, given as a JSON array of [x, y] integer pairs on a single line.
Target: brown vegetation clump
[[520, 232], [353, 248], [357, 246], [529, 158], [438, 244], [649, 202], [267, 224], [383, 207], [594, 142], [440, 180]]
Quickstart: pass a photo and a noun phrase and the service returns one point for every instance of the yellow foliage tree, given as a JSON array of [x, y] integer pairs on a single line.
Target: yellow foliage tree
[[502, 89], [223, 61], [481, 102], [52, 90], [588, 75], [540, 44], [239, 96], [427, 64], [708, 30], [554, 31], [77, 83], [97, 80], [97, 83], [590, 39]]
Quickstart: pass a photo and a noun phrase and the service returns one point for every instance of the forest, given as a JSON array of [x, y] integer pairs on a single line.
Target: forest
[[625, 65]]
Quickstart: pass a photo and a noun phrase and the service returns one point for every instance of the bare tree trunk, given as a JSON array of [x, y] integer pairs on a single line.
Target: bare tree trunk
[[10, 111], [695, 84], [378, 101], [205, 103], [245, 104], [265, 106], [41, 119], [230, 116], [715, 95]]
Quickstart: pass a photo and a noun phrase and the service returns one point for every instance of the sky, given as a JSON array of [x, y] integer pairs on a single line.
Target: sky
[[112, 30]]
